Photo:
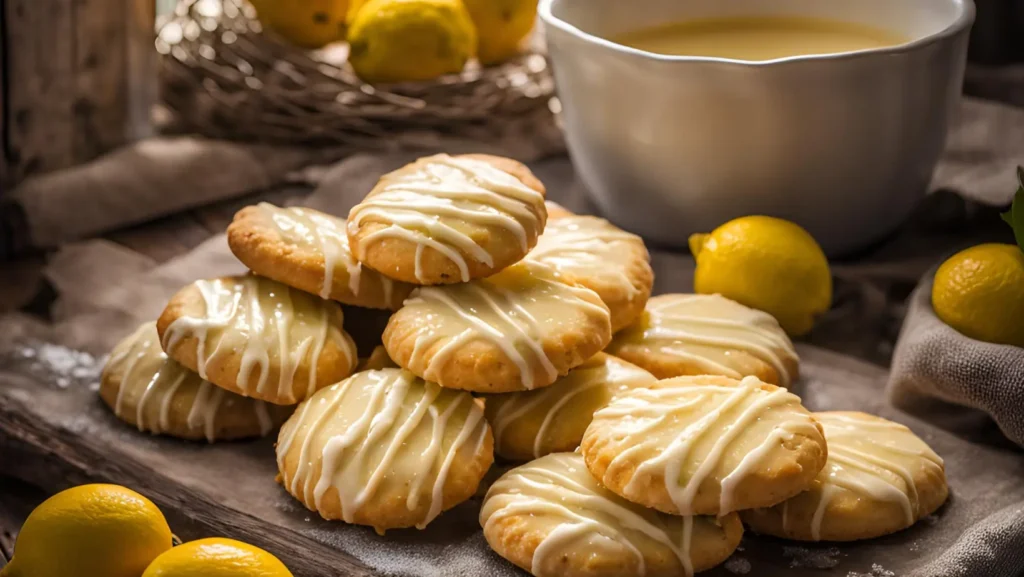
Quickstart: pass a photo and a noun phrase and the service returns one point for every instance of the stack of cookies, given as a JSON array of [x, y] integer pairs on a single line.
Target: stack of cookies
[[651, 428]]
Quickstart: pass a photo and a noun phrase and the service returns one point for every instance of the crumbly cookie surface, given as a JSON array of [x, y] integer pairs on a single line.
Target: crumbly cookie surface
[[531, 424], [879, 478], [157, 395], [705, 445], [386, 449], [551, 518], [309, 250], [690, 334], [257, 337], [448, 219], [517, 330]]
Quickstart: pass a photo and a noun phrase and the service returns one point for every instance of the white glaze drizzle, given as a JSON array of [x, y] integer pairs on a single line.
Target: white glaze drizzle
[[873, 458], [677, 322], [326, 235], [605, 371], [559, 488], [425, 202], [644, 410], [588, 248], [341, 457], [487, 309], [143, 363], [267, 323]]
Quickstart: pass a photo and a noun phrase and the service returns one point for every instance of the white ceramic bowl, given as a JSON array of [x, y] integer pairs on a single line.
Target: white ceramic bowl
[[843, 144]]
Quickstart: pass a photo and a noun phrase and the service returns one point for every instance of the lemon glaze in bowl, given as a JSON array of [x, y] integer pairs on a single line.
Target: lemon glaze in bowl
[[843, 144]]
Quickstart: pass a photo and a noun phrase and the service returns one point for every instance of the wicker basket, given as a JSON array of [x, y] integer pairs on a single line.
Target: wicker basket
[[222, 77]]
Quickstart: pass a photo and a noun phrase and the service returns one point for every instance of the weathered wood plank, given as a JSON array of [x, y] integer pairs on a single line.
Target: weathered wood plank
[[100, 52]]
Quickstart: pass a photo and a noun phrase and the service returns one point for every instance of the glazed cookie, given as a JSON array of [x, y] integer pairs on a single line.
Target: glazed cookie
[[448, 219], [515, 331], [157, 395], [385, 449], [309, 250], [552, 518], [605, 259], [534, 423], [705, 445], [377, 360], [686, 334], [556, 210], [257, 337], [879, 478]]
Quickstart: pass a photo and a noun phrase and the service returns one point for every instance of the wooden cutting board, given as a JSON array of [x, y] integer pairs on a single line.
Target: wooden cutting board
[[54, 432]]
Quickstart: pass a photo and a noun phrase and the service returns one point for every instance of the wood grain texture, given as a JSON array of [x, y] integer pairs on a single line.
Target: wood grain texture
[[55, 433]]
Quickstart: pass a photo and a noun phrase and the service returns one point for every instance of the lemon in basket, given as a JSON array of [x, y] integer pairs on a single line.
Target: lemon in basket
[[768, 264], [980, 293], [410, 40], [304, 23], [217, 558], [101, 530], [501, 26]]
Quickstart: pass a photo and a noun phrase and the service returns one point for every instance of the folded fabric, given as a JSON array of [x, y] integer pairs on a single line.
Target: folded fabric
[[949, 379]]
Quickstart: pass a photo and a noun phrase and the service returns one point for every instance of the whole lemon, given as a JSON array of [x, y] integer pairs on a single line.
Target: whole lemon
[[354, 6], [407, 40], [768, 264], [217, 558], [305, 23], [980, 292], [91, 530], [501, 26]]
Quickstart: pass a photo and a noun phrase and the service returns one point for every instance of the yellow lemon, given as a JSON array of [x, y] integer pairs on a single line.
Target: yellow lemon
[[501, 26], [90, 531], [217, 558], [768, 264], [980, 292], [408, 40], [354, 6], [305, 23]]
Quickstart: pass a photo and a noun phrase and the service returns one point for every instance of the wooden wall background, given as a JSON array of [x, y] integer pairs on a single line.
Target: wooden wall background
[[79, 80]]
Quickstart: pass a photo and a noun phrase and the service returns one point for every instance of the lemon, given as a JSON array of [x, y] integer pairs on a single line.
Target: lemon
[[501, 26], [305, 23], [90, 531], [217, 558], [407, 40], [768, 264], [354, 6], [980, 292]]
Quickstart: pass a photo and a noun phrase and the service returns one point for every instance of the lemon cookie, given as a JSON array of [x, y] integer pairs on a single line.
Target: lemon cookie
[[602, 257], [705, 445], [879, 478], [448, 219], [377, 360], [147, 390], [386, 449], [257, 337], [552, 518], [309, 250], [687, 334], [514, 331], [534, 423]]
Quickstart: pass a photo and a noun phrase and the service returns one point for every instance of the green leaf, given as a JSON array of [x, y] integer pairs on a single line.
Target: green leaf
[[1015, 216]]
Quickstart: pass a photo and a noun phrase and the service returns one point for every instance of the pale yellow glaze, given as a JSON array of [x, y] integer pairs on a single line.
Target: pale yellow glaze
[[440, 201], [760, 37], [700, 436], [595, 253], [875, 459], [156, 385], [554, 418], [514, 310], [377, 438], [325, 235], [557, 497], [267, 324], [705, 331]]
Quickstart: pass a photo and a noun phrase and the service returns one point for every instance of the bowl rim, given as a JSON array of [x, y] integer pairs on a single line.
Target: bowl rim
[[963, 22]]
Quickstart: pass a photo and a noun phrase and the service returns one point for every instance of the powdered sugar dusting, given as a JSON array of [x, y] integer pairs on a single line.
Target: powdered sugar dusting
[[737, 565], [876, 571], [60, 365], [804, 558]]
